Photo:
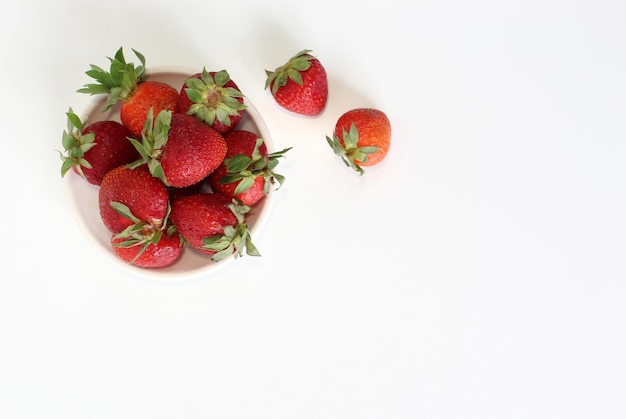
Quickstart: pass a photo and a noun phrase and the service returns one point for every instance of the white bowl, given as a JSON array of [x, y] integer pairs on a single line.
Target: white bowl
[[83, 196]]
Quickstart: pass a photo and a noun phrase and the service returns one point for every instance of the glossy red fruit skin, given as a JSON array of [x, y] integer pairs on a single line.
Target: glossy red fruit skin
[[112, 149], [148, 94], [308, 99], [166, 252], [239, 142], [249, 197], [374, 130], [184, 103], [145, 195], [193, 150], [201, 215]]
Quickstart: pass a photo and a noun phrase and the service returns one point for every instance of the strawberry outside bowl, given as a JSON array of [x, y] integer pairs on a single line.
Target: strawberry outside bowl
[[83, 196]]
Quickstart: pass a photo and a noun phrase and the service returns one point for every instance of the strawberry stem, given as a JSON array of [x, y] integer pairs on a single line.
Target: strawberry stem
[[235, 239], [349, 151], [119, 82]]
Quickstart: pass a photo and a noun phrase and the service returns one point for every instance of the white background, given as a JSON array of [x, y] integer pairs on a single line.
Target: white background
[[477, 273]]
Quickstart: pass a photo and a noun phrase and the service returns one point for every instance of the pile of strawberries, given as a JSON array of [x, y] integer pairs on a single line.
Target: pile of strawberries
[[178, 172]]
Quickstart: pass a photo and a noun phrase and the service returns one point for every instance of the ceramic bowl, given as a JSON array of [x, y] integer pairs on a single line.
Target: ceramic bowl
[[83, 197]]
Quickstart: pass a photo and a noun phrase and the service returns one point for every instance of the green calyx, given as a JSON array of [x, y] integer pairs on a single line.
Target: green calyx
[[75, 144], [119, 82], [154, 136], [140, 233], [246, 169], [349, 151], [235, 239], [212, 99], [291, 70]]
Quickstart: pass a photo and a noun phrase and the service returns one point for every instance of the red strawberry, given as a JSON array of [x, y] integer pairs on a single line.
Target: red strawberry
[[134, 206], [300, 85], [92, 150], [149, 252], [213, 224], [361, 137], [144, 196], [247, 172], [213, 98], [125, 83], [179, 149]]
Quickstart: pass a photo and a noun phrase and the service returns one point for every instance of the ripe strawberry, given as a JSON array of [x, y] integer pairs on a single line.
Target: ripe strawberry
[[361, 137], [213, 224], [179, 149], [92, 150], [213, 98], [300, 85], [125, 83], [247, 172], [144, 196], [134, 206], [149, 251]]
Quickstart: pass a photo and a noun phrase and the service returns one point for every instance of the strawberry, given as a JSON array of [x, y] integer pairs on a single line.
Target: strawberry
[[134, 206], [92, 150], [300, 85], [213, 224], [154, 250], [125, 83], [179, 149], [361, 137], [247, 172], [144, 196], [213, 98]]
